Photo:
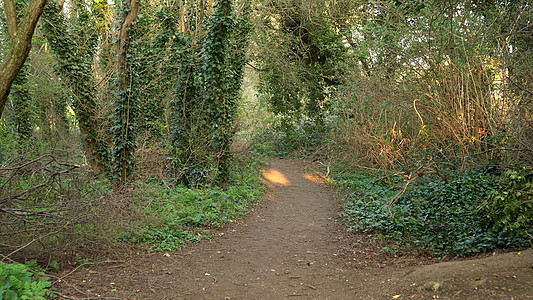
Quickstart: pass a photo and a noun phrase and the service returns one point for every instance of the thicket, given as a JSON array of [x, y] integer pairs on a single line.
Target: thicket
[[120, 127], [474, 212], [430, 93]]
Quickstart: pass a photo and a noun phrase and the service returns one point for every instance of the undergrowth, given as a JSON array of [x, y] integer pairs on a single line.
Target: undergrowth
[[291, 140], [17, 281], [474, 212], [173, 216]]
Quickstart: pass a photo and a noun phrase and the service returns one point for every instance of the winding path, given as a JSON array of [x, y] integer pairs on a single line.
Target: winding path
[[291, 247], [283, 249]]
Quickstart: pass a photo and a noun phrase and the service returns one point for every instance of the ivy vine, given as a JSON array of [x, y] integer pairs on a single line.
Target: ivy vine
[[74, 45], [126, 106]]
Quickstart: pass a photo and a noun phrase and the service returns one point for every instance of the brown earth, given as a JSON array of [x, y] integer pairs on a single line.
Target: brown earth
[[293, 245]]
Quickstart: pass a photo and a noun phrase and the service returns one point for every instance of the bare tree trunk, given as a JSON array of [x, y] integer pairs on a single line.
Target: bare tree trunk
[[20, 34]]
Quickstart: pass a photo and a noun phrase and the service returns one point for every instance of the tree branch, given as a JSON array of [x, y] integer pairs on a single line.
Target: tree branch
[[11, 18], [31, 17], [129, 18], [124, 35], [20, 44]]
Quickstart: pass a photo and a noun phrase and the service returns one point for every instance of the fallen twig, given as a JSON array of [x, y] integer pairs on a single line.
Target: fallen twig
[[35, 240]]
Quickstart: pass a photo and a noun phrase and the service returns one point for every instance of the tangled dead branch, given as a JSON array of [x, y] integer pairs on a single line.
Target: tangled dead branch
[[38, 198]]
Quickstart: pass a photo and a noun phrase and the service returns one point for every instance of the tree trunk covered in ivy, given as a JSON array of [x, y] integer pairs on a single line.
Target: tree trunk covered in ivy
[[74, 51], [21, 99], [189, 138], [126, 106], [20, 34], [205, 98], [221, 105], [154, 67]]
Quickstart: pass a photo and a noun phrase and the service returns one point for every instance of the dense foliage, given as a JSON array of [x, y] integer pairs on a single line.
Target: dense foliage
[[132, 119], [509, 206], [167, 217], [205, 97], [298, 72], [178, 215], [424, 92], [17, 281], [74, 44], [118, 101], [443, 218]]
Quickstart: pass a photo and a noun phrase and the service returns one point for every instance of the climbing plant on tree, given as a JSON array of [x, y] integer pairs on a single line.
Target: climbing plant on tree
[[74, 45], [21, 104], [153, 65], [219, 97], [126, 104], [206, 94], [189, 140]]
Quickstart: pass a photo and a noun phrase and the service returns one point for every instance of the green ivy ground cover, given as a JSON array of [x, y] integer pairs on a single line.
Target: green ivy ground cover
[[474, 212]]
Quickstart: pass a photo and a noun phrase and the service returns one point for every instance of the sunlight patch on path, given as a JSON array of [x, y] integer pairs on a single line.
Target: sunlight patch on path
[[274, 177], [314, 178]]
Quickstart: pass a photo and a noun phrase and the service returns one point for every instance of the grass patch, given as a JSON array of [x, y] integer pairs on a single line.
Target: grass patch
[[443, 218]]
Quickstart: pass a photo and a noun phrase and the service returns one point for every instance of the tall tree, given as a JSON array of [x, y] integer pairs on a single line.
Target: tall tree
[[20, 34], [74, 46], [188, 140], [216, 71], [299, 70], [126, 104], [206, 93]]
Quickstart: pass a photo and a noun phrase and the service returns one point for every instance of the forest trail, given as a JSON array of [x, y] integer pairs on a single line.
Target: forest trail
[[292, 245]]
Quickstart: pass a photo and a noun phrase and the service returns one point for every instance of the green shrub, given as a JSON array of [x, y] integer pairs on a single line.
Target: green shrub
[[436, 216], [17, 282], [510, 207], [291, 140], [161, 239]]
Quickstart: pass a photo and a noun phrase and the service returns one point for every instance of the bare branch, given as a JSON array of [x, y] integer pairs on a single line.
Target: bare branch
[[34, 240], [16, 169]]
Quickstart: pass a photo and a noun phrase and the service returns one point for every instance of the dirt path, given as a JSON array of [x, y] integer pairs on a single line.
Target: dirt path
[[292, 245]]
